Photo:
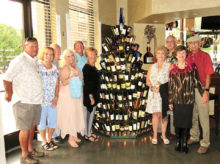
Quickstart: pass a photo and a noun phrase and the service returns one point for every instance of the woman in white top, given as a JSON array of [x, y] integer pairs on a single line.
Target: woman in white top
[[158, 74]]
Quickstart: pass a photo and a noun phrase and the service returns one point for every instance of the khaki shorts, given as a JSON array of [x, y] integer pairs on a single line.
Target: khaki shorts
[[26, 115]]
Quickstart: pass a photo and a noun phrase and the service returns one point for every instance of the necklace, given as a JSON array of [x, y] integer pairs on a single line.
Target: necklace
[[182, 66]]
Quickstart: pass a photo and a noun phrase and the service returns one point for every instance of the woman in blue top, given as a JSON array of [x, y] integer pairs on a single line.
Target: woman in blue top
[[50, 77]]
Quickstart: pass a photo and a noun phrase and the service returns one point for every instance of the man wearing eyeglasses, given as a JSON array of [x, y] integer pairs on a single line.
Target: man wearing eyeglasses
[[171, 45], [24, 87]]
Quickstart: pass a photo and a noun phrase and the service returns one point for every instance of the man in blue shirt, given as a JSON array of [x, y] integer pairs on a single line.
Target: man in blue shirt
[[79, 52]]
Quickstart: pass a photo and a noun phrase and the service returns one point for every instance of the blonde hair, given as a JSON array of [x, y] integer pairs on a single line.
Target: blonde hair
[[90, 49], [162, 48], [43, 51], [65, 53]]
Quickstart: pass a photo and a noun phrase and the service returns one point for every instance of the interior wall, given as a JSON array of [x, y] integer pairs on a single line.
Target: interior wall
[[138, 9], [161, 6], [107, 12], [141, 39]]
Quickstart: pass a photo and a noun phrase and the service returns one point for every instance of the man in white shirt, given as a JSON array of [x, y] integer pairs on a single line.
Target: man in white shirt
[[24, 87]]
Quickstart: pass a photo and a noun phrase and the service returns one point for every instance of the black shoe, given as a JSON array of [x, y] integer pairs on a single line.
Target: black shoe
[[53, 145], [185, 148], [178, 145]]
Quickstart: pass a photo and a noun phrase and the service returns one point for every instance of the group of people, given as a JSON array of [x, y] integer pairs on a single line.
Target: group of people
[[63, 94], [179, 80], [46, 92]]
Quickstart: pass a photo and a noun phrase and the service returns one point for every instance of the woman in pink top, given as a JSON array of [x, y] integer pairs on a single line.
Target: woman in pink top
[[70, 116]]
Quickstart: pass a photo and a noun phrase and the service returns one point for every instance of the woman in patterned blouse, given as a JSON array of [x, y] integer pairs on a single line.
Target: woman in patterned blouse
[[50, 76], [183, 80]]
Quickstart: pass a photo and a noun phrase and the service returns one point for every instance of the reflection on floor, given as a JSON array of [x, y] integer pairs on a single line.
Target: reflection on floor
[[128, 151]]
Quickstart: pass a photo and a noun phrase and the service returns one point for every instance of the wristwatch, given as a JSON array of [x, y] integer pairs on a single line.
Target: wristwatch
[[207, 89]]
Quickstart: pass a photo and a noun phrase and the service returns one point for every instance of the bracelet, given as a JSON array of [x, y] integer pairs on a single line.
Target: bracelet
[[90, 96], [207, 89]]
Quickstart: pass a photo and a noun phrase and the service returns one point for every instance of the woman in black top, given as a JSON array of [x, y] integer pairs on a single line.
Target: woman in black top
[[91, 90]]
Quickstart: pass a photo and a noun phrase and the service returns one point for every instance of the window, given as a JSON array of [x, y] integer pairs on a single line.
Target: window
[[81, 13], [44, 21], [11, 37], [12, 32]]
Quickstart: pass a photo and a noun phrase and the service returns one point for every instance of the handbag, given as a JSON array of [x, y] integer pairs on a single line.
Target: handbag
[[75, 85]]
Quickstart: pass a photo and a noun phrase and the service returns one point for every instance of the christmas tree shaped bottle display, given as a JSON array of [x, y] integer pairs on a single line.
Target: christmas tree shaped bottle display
[[123, 97]]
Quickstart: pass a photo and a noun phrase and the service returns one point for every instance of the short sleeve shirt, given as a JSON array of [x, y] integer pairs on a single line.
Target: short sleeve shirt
[[27, 83], [81, 61], [50, 81], [203, 63]]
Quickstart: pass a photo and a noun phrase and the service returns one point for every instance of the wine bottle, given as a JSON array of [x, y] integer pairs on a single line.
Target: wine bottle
[[107, 126], [138, 56], [130, 125], [134, 125], [106, 47], [112, 64], [113, 126], [127, 47], [122, 57], [135, 47], [148, 57], [117, 126], [128, 30], [115, 31], [116, 114], [117, 57], [134, 113], [123, 66], [108, 67], [104, 57], [111, 113], [121, 47]]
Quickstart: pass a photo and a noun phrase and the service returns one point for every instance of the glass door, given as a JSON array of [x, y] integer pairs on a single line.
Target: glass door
[[11, 37]]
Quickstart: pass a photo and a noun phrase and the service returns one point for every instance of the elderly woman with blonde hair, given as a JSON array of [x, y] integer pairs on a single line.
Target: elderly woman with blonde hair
[[157, 77], [70, 116]]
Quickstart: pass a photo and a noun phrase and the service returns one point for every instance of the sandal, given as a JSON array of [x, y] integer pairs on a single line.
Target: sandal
[[96, 136], [47, 147], [91, 138], [53, 145], [154, 141], [165, 141]]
